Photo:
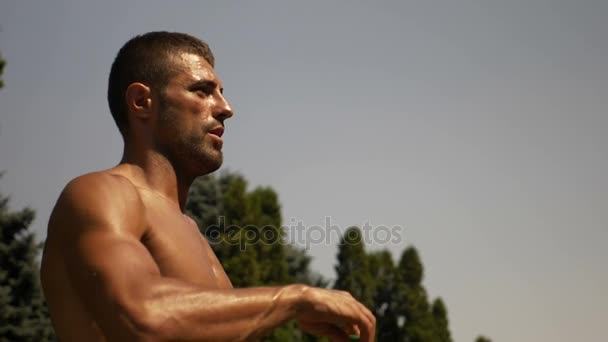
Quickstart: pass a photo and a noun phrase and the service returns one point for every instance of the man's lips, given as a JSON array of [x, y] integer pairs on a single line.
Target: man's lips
[[218, 131]]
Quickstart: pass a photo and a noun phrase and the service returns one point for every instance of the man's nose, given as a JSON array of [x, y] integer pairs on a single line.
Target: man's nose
[[224, 110]]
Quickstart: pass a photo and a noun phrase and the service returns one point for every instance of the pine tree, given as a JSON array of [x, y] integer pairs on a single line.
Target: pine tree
[[205, 205], [352, 271], [298, 267], [244, 229], [220, 206], [385, 302], [264, 216], [440, 316], [23, 314], [414, 307]]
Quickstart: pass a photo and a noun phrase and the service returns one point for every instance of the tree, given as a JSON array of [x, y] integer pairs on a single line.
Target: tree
[[245, 231], [244, 228], [219, 206], [224, 210], [482, 339], [264, 220], [411, 270], [24, 315], [352, 271], [440, 316], [413, 304], [205, 205], [385, 302], [298, 267]]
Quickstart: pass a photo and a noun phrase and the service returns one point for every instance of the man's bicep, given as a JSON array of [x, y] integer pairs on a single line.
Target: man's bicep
[[107, 255], [110, 272]]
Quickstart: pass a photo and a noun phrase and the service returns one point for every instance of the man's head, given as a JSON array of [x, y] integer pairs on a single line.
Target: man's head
[[149, 59], [163, 92]]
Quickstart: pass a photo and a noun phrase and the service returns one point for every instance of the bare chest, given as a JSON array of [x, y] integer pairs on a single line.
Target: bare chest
[[181, 252]]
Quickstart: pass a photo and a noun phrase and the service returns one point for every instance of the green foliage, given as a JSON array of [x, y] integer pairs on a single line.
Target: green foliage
[[482, 339], [440, 315], [298, 267], [264, 214], [353, 271], [240, 260], [410, 268], [413, 304], [24, 315], [385, 300], [244, 229], [394, 293], [23, 312], [205, 204]]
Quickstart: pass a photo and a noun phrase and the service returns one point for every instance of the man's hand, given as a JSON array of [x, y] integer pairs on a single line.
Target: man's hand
[[335, 314]]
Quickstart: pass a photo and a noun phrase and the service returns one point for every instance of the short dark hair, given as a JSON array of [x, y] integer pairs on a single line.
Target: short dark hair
[[146, 58]]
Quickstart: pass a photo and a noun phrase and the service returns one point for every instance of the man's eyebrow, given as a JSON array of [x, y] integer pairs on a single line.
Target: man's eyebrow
[[207, 85], [203, 84]]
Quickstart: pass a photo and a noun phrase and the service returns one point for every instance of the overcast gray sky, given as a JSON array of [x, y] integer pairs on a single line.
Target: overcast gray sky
[[478, 126]]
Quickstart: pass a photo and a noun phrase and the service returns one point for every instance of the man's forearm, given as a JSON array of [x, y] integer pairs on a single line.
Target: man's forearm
[[178, 311]]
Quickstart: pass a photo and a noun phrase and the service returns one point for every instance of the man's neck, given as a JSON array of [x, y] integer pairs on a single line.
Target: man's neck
[[155, 172]]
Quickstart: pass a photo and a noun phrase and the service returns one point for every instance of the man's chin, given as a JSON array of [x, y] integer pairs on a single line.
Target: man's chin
[[212, 163]]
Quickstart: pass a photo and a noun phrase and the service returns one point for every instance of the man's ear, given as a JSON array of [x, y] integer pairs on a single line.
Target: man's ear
[[139, 100]]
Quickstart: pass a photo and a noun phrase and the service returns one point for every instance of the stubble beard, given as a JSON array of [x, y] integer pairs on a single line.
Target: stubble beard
[[191, 155]]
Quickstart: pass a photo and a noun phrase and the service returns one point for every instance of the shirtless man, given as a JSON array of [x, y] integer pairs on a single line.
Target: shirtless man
[[123, 263]]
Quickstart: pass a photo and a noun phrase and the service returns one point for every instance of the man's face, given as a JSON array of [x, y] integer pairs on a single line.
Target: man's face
[[192, 110]]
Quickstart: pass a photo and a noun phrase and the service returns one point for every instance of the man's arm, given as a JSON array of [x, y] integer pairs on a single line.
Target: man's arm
[[101, 222]]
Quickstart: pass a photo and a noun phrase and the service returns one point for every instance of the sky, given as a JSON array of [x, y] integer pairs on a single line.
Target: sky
[[479, 127]]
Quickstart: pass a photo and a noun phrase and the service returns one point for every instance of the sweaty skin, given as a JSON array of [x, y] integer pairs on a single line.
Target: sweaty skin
[[123, 263]]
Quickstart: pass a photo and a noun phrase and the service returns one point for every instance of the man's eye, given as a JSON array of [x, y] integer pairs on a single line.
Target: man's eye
[[202, 92]]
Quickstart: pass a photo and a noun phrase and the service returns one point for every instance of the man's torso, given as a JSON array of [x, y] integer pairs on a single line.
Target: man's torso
[[172, 239]]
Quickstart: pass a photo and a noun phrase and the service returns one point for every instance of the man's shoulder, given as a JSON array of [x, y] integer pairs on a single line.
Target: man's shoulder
[[105, 186], [98, 197]]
